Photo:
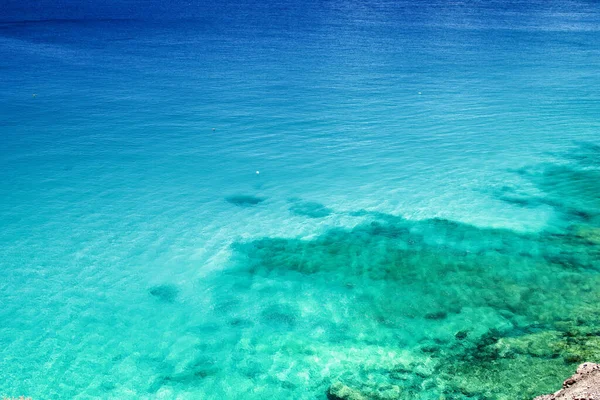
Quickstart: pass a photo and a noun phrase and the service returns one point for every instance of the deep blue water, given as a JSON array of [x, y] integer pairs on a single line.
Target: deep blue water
[[192, 195]]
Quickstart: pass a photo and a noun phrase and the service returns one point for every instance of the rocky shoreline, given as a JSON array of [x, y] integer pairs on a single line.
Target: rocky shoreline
[[583, 385]]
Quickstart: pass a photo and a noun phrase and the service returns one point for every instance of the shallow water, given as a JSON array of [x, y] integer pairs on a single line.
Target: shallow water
[[265, 201]]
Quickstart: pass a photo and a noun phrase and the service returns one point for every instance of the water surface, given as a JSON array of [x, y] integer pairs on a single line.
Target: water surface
[[269, 201]]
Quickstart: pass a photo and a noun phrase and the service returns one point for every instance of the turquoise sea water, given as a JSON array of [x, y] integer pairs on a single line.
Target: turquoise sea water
[[283, 200]]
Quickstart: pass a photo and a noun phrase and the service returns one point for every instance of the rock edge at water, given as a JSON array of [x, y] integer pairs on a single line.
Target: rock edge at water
[[584, 385]]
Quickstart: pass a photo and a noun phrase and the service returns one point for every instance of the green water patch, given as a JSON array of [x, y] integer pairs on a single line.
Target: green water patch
[[492, 309], [393, 308], [503, 366], [467, 312], [244, 200]]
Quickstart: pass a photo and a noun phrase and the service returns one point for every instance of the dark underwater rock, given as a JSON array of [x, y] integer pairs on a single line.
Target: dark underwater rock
[[512, 196], [244, 200], [438, 315], [193, 374], [340, 391], [461, 335], [278, 315], [584, 385], [165, 293], [591, 234]]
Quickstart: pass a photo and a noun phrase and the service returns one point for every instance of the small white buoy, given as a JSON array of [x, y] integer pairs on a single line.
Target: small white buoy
[[213, 129], [34, 95], [257, 172], [419, 92]]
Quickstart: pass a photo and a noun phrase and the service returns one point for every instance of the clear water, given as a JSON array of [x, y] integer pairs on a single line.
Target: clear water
[[262, 201]]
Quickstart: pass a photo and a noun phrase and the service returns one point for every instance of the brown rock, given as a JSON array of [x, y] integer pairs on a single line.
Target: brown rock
[[584, 385]]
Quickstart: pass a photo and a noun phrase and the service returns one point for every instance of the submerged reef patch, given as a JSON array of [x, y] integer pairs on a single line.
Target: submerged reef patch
[[165, 293], [484, 313], [400, 309], [340, 391], [493, 309], [310, 209], [570, 187], [244, 200]]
